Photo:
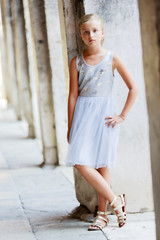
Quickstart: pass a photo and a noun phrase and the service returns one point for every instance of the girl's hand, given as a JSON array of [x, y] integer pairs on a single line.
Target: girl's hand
[[114, 120]]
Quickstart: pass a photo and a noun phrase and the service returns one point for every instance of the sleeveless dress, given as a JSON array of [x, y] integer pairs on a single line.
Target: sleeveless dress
[[91, 142]]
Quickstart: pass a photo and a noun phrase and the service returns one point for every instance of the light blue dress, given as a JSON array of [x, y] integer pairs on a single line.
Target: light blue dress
[[92, 142]]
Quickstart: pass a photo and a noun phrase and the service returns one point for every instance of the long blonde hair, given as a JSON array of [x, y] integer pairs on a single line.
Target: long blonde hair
[[88, 17]]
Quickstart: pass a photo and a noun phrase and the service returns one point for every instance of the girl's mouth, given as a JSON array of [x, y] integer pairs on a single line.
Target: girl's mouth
[[92, 40]]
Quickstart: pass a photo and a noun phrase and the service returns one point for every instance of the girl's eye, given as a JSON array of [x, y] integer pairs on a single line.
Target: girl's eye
[[95, 30], [85, 32]]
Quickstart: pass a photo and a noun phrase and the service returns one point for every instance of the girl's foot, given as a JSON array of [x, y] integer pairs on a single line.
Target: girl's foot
[[119, 205], [99, 222]]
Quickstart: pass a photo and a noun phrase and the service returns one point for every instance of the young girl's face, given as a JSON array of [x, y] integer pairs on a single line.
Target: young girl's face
[[91, 33]]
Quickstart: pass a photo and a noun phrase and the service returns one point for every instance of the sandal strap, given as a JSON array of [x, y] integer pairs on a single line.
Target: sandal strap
[[123, 214], [121, 217], [100, 213], [122, 198], [104, 219], [119, 206], [99, 223], [122, 221], [114, 199]]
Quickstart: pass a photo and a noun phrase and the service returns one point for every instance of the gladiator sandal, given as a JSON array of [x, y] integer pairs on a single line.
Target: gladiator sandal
[[98, 224], [121, 217]]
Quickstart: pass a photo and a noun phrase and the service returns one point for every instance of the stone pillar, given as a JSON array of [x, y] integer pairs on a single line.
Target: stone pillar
[[58, 76], [11, 61], [3, 56], [22, 64], [70, 23], [7, 75], [150, 32], [38, 23], [64, 42], [8, 53], [3, 61], [33, 74]]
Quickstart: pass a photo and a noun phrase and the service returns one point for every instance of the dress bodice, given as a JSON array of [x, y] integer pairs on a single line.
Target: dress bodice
[[95, 80]]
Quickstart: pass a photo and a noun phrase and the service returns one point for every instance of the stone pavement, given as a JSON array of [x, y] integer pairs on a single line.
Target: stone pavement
[[35, 202]]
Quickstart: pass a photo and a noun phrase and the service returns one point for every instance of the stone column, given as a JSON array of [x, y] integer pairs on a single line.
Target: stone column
[[7, 76], [3, 56], [22, 64], [9, 69], [38, 23], [58, 76], [150, 32], [64, 42], [33, 74], [11, 59], [3, 61]]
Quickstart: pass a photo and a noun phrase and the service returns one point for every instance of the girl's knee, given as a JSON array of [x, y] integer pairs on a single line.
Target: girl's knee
[[78, 167]]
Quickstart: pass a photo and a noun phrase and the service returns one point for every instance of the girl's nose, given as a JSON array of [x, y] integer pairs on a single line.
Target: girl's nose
[[91, 34]]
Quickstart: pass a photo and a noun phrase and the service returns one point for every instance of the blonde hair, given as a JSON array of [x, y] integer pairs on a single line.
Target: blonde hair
[[88, 17]]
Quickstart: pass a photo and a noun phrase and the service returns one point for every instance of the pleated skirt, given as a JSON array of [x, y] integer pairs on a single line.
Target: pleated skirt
[[91, 142]]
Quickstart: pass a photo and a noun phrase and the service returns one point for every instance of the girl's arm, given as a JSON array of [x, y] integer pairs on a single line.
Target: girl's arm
[[73, 92], [133, 90]]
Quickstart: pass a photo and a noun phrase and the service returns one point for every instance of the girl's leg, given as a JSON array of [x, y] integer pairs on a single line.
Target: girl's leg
[[102, 203], [97, 181]]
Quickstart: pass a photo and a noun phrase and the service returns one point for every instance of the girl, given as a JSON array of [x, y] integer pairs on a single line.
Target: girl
[[93, 122]]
